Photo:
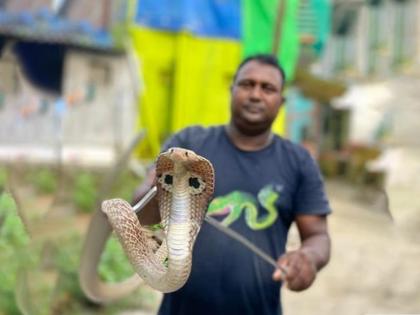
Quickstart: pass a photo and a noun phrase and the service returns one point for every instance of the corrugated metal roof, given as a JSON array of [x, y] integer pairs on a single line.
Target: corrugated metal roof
[[75, 22]]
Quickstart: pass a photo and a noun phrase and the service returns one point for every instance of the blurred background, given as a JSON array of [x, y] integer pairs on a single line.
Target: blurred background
[[89, 90]]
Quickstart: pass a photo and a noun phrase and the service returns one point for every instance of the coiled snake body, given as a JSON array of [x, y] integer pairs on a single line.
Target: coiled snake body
[[185, 183]]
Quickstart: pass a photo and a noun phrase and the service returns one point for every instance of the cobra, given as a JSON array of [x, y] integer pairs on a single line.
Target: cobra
[[185, 183]]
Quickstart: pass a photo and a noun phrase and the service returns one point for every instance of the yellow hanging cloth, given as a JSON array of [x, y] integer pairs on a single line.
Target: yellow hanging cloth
[[204, 72], [186, 82], [156, 53]]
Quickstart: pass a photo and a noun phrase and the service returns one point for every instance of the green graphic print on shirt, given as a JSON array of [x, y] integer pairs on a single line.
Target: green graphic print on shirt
[[237, 202]]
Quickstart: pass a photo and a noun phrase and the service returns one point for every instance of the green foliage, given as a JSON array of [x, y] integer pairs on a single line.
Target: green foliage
[[84, 194], [13, 252], [7, 302], [156, 227], [12, 230], [36, 261], [114, 265], [67, 260], [44, 181], [3, 179], [125, 186]]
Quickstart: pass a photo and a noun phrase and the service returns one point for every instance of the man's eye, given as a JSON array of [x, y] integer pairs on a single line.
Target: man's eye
[[245, 84], [269, 89]]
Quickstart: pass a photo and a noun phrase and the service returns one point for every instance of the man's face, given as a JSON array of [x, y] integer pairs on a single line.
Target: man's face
[[256, 97]]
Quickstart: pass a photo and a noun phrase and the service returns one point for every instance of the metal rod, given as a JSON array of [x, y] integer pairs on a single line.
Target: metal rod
[[241, 239], [145, 200]]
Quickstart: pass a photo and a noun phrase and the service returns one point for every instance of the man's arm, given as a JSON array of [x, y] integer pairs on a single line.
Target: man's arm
[[302, 265]]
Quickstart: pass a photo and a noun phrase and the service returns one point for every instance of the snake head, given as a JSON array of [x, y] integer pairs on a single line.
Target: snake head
[[179, 167], [178, 163]]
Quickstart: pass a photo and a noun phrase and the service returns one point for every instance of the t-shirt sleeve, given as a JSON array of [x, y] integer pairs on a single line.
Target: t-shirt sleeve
[[310, 196]]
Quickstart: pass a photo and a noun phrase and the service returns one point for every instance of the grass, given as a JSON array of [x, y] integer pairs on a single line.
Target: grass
[[39, 275]]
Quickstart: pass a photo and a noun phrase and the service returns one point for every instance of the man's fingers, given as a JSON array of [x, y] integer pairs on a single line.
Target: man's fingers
[[277, 276], [294, 270], [294, 282], [302, 272], [280, 273]]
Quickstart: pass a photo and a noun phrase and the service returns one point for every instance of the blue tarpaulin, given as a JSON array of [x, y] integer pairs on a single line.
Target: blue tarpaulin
[[212, 18]]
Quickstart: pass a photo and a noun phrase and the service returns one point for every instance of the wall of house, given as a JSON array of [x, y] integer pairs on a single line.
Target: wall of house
[[373, 41], [379, 57], [92, 119]]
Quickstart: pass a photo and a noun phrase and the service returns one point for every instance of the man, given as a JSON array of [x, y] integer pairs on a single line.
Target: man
[[255, 171]]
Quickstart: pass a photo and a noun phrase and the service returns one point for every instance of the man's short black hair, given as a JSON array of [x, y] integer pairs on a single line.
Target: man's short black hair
[[265, 59]]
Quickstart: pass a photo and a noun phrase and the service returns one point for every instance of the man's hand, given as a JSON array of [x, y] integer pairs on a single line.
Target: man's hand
[[297, 269]]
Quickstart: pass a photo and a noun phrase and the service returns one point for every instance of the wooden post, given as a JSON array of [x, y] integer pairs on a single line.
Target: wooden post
[[278, 27]]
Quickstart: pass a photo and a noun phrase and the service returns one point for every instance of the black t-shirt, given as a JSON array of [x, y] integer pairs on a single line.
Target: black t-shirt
[[258, 194]]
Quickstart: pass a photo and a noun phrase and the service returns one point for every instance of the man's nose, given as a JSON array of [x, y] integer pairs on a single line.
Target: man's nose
[[256, 93]]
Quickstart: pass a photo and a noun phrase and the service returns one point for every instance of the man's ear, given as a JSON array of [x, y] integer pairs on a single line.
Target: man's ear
[[282, 101]]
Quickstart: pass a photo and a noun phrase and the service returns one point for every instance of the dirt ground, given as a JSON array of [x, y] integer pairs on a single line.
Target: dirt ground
[[374, 269]]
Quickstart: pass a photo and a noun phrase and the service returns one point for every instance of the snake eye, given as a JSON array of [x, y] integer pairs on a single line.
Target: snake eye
[[196, 184], [168, 179]]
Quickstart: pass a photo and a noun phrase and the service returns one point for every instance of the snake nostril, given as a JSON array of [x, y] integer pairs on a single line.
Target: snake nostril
[[186, 153], [172, 151]]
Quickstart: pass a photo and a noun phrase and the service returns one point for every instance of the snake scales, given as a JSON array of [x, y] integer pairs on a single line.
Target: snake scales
[[185, 183]]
